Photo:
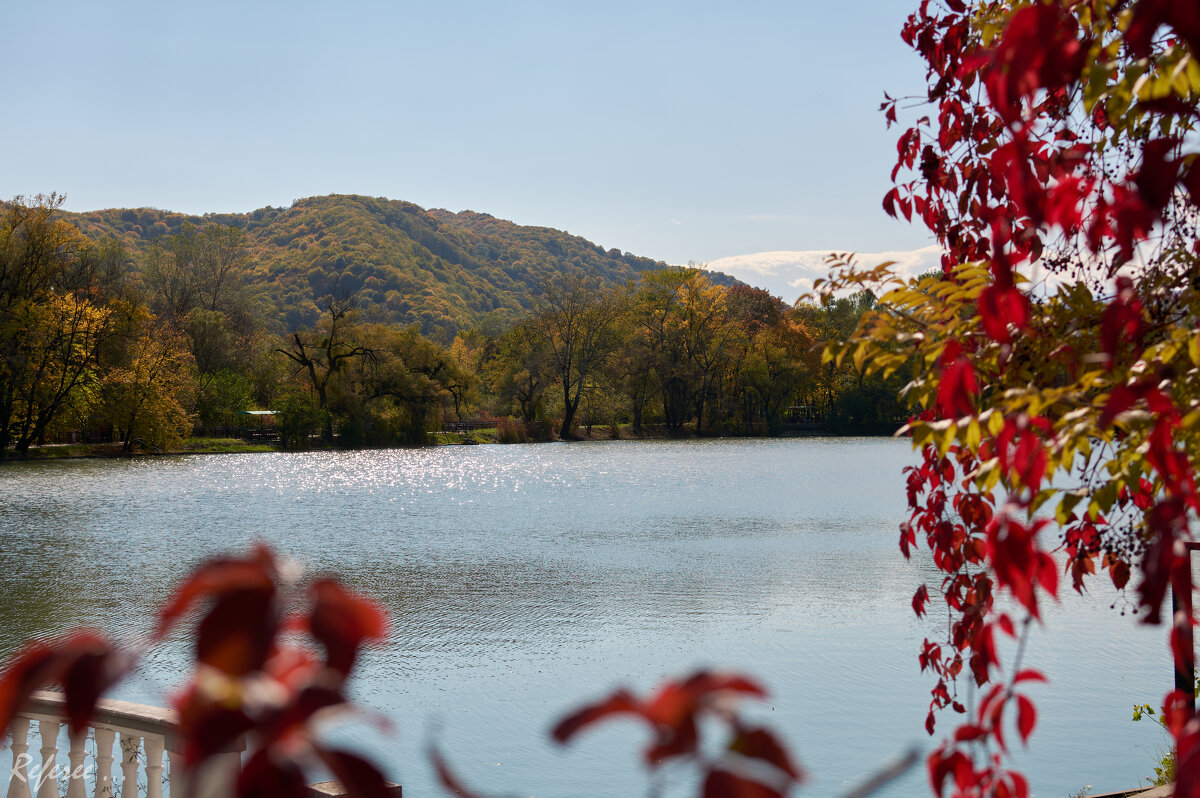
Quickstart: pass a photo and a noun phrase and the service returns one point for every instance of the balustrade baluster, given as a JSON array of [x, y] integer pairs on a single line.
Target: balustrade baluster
[[18, 785], [154, 766], [147, 729], [77, 781], [104, 760], [178, 779], [47, 786], [130, 744]]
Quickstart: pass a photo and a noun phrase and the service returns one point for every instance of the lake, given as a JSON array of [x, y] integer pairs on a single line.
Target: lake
[[524, 580]]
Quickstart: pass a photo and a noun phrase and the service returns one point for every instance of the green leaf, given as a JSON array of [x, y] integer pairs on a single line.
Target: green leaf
[[1066, 506]]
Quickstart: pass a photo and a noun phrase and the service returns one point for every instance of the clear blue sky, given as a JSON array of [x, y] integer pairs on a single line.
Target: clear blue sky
[[679, 131]]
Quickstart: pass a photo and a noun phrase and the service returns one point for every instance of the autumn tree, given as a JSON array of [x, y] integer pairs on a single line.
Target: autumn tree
[[517, 373], [197, 269], [149, 390], [198, 282], [404, 387], [779, 363], [56, 313], [575, 322], [682, 331], [320, 353]]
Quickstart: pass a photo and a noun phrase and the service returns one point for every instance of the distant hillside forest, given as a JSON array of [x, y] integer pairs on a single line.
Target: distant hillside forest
[[446, 272], [365, 322]]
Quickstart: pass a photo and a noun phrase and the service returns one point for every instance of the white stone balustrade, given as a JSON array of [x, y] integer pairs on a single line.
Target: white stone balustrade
[[144, 733]]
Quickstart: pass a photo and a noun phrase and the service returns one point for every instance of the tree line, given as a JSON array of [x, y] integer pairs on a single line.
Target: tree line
[[139, 350]]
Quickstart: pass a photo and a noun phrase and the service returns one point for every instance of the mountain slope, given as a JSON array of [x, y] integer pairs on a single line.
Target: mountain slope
[[403, 264]]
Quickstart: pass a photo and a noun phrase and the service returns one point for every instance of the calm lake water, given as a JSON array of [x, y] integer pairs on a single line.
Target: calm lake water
[[524, 580]]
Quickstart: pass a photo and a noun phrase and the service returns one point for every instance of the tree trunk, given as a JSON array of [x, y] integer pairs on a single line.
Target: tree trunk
[[568, 419]]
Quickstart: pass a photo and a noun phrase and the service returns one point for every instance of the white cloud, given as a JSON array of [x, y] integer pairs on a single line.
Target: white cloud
[[789, 274]]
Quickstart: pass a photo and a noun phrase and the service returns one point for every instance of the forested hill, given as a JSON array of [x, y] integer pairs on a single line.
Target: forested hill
[[402, 263]]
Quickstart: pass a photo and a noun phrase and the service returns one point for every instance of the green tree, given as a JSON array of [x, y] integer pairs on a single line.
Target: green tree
[[517, 374], [575, 323], [199, 282], [321, 353], [409, 383]]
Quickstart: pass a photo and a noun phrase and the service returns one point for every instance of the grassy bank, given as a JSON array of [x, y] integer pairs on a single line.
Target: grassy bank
[[66, 451]]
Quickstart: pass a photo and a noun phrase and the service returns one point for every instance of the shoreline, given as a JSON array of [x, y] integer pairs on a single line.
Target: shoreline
[[192, 446]]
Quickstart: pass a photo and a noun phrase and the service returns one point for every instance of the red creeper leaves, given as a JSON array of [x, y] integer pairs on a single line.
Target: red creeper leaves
[[1002, 307], [1122, 321], [342, 622], [674, 714], [920, 599], [958, 386], [84, 663], [1040, 49], [237, 633], [1018, 563]]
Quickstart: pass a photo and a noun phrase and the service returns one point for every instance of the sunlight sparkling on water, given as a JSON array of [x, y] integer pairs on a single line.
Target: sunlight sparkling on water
[[523, 580]]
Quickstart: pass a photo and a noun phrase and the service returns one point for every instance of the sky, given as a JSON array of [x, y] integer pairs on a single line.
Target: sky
[[685, 132]]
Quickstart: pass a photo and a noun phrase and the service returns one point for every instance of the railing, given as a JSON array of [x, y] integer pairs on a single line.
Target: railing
[[144, 733], [263, 433], [466, 426]]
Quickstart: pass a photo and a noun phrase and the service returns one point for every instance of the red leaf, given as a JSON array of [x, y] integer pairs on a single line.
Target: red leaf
[[207, 726], [958, 386], [1040, 49], [1165, 521], [341, 621], [216, 578], [1016, 562], [943, 763], [296, 714], [1006, 625], [968, 732], [1048, 574], [237, 635], [672, 712], [889, 202], [908, 539], [1026, 717], [93, 666], [1175, 714], [723, 784], [30, 669], [761, 744], [1002, 306], [703, 683], [619, 702], [359, 777], [1120, 399], [83, 662], [268, 776], [1029, 675], [919, 600], [1121, 322], [1182, 647]]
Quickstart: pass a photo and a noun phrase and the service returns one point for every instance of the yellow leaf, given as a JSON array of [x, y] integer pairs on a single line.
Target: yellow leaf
[[995, 424]]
